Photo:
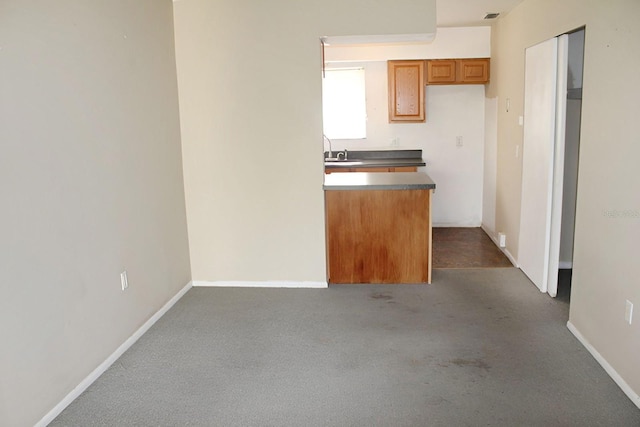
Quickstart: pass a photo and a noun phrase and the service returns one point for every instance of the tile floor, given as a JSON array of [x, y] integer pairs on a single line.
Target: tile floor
[[455, 247]]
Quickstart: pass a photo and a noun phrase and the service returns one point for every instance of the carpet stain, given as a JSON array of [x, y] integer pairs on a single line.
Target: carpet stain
[[474, 363], [382, 296], [421, 362], [438, 400], [324, 340], [417, 362]]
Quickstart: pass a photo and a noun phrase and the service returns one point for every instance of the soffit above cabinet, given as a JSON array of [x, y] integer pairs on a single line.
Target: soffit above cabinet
[[377, 39], [471, 42]]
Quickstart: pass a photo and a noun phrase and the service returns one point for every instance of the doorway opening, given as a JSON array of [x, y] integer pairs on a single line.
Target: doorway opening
[[571, 151]]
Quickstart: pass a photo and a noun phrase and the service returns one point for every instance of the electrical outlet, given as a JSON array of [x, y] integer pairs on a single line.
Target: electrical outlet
[[502, 240], [124, 282], [395, 142], [459, 142], [628, 312]]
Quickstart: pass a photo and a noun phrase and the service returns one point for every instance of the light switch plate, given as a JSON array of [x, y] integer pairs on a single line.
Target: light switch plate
[[124, 281]]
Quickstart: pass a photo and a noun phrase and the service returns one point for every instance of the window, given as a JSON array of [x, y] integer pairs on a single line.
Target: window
[[344, 109]]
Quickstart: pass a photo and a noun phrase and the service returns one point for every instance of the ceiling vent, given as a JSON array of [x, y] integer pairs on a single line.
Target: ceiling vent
[[491, 15]]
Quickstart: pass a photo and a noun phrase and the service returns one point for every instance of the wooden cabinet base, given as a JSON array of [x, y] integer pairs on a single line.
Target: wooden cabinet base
[[378, 236]]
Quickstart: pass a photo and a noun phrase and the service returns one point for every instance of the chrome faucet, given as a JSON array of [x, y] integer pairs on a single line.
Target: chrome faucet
[[344, 154], [330, 155]]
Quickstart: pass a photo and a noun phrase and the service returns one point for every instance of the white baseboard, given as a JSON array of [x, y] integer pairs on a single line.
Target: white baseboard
[[511, 258], [456, 224], [635, 398], [565, 265], [489, 231], [84, 384], [264, 284], [491, 235], [504, 250]]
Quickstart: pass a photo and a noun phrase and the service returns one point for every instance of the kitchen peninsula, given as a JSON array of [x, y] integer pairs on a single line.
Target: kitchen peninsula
[[378, 227]]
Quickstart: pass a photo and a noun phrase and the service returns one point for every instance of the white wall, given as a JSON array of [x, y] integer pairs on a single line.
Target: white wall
[[250, 104], [457, 171], [91, 184], [490, 166], [605, 265]]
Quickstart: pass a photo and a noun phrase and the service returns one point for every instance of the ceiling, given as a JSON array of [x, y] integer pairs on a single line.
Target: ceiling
[[449, 13], [467, 13]]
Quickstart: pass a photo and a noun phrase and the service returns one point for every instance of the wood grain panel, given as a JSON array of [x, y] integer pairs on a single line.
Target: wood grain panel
[[474, 70], [441, 71], [404, 169], [371, 169], [358, 169], [378, 236], [458, 71], [406, 91]]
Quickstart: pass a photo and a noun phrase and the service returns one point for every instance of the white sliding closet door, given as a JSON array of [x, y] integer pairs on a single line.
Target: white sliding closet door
[[558, 164], [540, 164]]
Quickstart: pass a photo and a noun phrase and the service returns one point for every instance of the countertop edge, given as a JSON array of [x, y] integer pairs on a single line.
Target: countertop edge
[[379, 187], [365, 181], [375, 164]]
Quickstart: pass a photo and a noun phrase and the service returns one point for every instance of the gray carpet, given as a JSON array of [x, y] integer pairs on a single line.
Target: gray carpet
[[475, 348]]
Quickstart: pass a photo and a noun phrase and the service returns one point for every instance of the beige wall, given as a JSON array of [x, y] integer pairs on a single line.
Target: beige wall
[[91, 184], [606, 268], [250, 101]]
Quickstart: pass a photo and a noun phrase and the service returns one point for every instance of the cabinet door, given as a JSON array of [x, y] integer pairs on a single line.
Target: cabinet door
[[406, 91], [474, 70], [441, 71]]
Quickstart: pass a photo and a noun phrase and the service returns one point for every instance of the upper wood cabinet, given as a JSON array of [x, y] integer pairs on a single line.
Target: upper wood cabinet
[[474, 70], [441, 71], [406, 91], [458, 71]]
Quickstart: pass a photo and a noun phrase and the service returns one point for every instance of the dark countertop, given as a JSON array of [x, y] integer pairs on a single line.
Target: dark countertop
[[382, 163], [378, 181], [378, 158]]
